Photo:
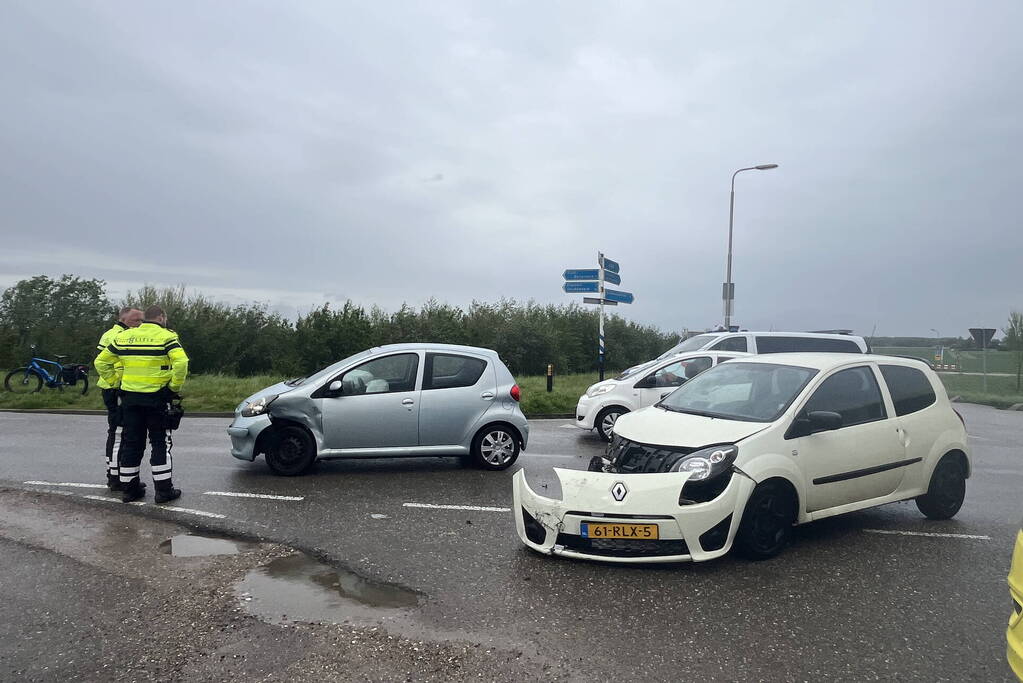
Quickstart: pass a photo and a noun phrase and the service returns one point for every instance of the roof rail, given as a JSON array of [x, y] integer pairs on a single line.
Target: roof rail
[[830, 331], [898, 355]]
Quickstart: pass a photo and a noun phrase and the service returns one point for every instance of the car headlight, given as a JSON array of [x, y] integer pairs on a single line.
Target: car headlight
[[598, 390], [707, 462], [259, 406]]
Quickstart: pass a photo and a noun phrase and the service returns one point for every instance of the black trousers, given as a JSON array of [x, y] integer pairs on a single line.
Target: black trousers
[[142, 416], [113, 422]]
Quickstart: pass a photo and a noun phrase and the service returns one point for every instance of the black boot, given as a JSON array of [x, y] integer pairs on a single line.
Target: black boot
[[114, 483], [165, 492], [132, 491]]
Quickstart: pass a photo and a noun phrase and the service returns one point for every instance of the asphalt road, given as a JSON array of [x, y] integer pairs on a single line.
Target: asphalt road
[[845, 602]]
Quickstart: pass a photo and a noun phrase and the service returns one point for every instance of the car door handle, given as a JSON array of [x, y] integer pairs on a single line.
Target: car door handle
[[487, 395], [407, 402]]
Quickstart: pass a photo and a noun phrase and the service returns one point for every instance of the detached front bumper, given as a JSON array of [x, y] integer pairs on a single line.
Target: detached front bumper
[[697, 532], [243, 432]]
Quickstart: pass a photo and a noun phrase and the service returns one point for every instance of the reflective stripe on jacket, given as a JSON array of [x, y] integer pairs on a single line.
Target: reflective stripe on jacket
[[152, 358], [104, 342]]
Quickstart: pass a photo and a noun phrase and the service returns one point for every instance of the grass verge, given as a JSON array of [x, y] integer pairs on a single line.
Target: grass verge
[[223, 393]]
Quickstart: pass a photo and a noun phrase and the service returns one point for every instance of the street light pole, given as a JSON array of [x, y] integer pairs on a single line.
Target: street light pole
[[941, 347], [728, 291]]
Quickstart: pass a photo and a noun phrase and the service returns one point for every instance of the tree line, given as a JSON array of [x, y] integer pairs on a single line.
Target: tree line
[[67, 315]]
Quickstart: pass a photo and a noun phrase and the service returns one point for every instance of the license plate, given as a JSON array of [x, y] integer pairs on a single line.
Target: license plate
[[639, 532]]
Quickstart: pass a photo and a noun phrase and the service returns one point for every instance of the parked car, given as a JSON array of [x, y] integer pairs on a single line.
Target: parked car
[[763, 342], [751, 447], [771, 342], [1014, 634], [604, 402], [391, 401]]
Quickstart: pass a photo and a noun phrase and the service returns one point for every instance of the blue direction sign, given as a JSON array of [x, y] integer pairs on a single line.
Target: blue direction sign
[[613, 278], [582, 274], [577, 287], [611, 266], [620, 297]]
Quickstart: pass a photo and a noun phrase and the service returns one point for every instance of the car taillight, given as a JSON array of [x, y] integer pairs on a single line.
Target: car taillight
[[515, 392]]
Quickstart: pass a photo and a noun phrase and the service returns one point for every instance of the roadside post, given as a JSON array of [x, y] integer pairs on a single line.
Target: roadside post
[[983, 336], [550, 377], [592, 280]]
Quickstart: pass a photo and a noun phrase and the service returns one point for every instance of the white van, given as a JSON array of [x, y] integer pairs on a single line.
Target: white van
[[771, 342]]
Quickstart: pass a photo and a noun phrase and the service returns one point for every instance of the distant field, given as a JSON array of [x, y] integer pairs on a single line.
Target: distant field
[[972, 361], [221, 393]]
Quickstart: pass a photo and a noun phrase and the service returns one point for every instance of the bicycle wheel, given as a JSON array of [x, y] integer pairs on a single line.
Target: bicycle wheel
[[23, 381], [83, 379]]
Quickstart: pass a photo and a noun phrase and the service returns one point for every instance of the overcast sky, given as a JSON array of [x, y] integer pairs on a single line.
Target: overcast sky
[[296, 152]]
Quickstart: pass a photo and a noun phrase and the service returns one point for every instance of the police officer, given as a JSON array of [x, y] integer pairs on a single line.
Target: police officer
[[128, 317], [155, 367]]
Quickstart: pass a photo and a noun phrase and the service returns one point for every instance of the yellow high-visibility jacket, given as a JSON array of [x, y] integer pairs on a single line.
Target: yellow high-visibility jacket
[[152, 358], [104, 342]]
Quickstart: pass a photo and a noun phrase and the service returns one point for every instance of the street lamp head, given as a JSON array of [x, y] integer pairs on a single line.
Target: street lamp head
[[765, 167]]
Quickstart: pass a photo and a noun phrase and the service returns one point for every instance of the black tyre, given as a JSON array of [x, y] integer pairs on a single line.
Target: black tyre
[[292, 451], [495, 448], [22, 381], [947, 490], [766, 526], [83, 379], [605, 421]]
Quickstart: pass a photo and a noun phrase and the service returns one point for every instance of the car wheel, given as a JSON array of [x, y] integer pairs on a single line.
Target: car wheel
[[767, 521], [946, 492], [291, 452], [605, 422], [495, 448]]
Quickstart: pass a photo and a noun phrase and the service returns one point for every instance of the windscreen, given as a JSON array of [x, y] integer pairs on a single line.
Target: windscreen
[[750, 392], [692, 344]]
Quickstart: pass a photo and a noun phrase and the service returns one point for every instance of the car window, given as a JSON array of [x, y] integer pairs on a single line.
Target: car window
[[447, 371], [730, 344], [722, 359], [676, 374], [692, 344], [910, 389], [806, 344], [853, 394], [382, 375]]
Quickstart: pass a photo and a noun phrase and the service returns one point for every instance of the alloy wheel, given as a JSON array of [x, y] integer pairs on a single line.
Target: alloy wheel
[[497, 447]]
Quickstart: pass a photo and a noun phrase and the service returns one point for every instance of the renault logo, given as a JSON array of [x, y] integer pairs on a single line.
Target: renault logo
[[619, 491]]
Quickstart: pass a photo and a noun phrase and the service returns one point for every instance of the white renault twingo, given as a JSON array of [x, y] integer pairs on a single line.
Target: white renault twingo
[[751, 447]]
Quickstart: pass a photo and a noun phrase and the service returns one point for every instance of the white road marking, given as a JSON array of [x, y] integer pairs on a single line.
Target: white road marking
[[201, 513], [234, 494], [479, 508], [987, 471], [104, 498], [67, 483], [926, 533], [551, 455], [567, 427]]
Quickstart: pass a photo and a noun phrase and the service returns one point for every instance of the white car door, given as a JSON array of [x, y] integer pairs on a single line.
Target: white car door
[[668, 377], [861, 460]]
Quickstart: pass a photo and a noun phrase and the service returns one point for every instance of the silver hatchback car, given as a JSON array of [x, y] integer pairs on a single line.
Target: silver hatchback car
[[398, 400]]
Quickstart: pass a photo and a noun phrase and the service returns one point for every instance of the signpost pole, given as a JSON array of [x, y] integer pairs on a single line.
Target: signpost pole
[[984, 356], [600, 333]]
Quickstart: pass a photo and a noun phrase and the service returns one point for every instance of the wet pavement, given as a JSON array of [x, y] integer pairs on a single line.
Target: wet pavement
[[198, 545], [845, 602]]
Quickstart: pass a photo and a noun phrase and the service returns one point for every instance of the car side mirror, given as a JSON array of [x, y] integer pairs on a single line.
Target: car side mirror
[[814, 422], [334, 387]]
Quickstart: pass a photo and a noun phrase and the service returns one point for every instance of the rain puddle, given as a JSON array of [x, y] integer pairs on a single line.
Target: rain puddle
[[298, 588], [189, 545]]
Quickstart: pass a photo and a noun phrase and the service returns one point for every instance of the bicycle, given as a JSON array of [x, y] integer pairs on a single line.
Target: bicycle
[[30, 378]]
